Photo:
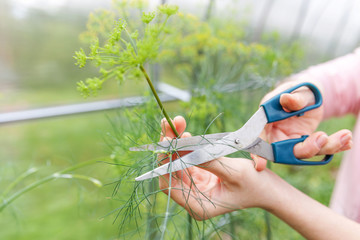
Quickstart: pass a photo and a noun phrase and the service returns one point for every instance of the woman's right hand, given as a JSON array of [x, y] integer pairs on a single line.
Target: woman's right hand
[[318, 143]]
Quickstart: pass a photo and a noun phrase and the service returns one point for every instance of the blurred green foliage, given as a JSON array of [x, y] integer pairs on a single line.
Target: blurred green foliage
[[50, 65], [204, 57], [64, 208]]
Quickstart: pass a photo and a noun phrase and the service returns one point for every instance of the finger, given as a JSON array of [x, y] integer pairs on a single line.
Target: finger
[[216, 166], [311, 146], [347, 147], [297, 100], [337, 142], [182, 153], [226, 168], [166, 130], [179, 124], [165, 158], [186, 135], [260, 162]]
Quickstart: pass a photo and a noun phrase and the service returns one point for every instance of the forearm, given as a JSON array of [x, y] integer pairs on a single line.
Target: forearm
[[307, 216]]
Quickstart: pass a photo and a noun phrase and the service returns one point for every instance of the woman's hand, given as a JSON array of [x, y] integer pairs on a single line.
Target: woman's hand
[[318, 143], [216, 187], [227, 184]]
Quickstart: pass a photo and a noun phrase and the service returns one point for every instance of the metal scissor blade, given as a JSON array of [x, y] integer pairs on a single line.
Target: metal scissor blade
[[218, 149], [243, 138], [182, 144], [247, 136], [262, 149]]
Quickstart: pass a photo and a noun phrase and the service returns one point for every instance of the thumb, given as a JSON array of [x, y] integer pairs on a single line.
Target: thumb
[[220, 167], [297, 100], [226, 168]]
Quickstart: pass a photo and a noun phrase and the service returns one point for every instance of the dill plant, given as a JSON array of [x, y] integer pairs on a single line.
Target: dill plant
[[204, 56], [123, 54]]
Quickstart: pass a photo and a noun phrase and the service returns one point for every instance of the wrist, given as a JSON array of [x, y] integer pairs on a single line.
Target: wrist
[[270, 190]]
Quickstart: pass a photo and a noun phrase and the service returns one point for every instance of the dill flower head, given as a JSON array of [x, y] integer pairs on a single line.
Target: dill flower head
[[147, 17], [168, 9]]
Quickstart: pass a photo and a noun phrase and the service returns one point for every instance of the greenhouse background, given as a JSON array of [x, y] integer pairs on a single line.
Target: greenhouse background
[[60, 171]]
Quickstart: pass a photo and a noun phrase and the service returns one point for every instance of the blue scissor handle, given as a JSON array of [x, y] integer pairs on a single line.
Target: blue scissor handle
[[274, 111], [284, 153]]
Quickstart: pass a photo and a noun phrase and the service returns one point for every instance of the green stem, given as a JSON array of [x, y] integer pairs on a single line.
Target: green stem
[[267, 216], [158, 100], [189, 219], [6, 202], [151, 218], [167, 213], [53, 176], [17, 180], [232, 226], [268, 225], [131, 41]]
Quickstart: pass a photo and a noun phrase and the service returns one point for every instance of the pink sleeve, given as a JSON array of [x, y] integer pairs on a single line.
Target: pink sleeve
[[340, 82]]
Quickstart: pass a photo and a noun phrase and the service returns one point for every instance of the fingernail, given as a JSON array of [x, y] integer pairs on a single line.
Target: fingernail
[[321, 141], [348, 146], [345, 139]]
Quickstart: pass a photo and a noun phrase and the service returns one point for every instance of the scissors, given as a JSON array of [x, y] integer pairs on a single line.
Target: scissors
[[212, 146]]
